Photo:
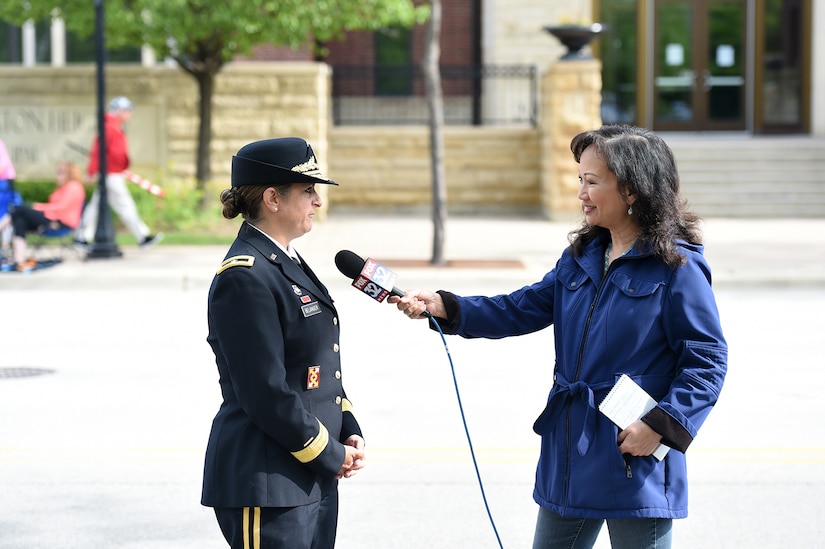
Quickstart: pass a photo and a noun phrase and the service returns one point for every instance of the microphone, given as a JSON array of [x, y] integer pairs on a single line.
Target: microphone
[[369, 276]]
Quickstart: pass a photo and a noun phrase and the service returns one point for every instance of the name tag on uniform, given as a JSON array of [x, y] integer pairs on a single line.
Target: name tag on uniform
[[313, 377], [311, 309]]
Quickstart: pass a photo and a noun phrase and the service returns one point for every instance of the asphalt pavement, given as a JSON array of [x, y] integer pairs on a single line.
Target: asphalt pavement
[[108, 389]]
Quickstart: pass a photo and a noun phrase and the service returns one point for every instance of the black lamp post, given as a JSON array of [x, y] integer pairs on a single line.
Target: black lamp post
[[575, 38], [104, 244]]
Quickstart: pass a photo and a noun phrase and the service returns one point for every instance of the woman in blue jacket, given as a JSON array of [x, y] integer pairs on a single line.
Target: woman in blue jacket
[[630, 295]]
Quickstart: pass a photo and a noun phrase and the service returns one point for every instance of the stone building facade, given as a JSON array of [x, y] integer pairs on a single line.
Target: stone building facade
[[48, 114]]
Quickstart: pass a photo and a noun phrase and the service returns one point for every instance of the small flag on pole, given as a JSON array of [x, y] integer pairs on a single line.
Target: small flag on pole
[[144, 184]]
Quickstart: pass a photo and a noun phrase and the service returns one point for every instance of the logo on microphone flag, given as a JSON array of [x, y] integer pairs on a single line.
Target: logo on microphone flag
[[375, 280]]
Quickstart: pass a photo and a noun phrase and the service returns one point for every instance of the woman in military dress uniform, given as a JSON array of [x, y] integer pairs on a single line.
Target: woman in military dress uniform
[[285, 432]]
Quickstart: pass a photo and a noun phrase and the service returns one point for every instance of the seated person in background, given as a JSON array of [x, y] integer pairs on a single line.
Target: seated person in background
[[9, 198], [8, 195], [62, 211]]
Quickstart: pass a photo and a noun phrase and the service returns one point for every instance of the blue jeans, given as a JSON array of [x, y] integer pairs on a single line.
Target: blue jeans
[[555, 532]]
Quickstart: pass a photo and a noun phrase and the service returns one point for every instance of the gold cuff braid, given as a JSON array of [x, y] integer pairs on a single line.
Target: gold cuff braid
[[314, 446]]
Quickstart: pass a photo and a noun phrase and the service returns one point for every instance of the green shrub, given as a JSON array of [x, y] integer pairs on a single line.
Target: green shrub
[[37, 191], [179, 214]]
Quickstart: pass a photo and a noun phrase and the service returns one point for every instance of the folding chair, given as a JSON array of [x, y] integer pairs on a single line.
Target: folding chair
[[56, 240], [50, 244]]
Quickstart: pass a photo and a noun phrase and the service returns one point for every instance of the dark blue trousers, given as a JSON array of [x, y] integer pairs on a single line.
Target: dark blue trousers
[[310, 526]]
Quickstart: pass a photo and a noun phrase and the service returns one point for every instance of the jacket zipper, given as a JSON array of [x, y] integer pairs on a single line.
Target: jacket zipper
[[576, 378]]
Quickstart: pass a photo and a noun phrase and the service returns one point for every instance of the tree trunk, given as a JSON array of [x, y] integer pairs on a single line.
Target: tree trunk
[[203, 173], [435, 104], [204, 69]]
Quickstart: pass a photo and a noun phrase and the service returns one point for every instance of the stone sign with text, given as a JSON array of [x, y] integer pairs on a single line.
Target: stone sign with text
[[38, 137]]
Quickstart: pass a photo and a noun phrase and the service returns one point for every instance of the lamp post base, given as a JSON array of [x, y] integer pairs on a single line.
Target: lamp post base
[[103, 250]]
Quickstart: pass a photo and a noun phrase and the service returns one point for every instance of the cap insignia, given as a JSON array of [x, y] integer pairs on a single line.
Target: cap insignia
[[310, 167]]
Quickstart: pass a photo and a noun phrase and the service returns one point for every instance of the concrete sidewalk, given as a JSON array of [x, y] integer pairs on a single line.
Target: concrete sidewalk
[[769, 251], [104, 448]]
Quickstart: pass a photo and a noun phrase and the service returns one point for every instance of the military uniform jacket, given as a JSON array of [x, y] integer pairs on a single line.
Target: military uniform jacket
[[276, 440]]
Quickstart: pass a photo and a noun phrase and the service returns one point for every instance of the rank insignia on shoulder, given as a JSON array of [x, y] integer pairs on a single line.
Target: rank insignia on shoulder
[[236, 261], [313, 377]]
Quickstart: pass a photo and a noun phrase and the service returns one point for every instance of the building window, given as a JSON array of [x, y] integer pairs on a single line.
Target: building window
[[10, 43], [43, 42], [82, 50], [782, 73], [617, 48], [393, 62], [33, 44]]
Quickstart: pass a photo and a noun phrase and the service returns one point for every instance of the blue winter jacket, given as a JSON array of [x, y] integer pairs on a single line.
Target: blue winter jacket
[[8, 197], [657, 324]]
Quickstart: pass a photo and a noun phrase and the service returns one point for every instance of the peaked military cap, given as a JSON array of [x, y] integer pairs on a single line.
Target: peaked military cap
[[276, 162]]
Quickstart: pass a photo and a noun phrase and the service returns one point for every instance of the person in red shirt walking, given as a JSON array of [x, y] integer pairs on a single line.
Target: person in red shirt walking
[[117, 161]]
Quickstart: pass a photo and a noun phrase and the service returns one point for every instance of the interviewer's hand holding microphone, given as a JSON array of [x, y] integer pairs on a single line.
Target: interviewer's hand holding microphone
[[377, 281], [414, 303]]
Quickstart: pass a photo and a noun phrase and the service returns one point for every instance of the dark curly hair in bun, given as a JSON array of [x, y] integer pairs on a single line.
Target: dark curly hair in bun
[[246, 200]]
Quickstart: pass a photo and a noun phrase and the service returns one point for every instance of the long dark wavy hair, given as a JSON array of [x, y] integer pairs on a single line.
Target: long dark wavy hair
[[645, 167]]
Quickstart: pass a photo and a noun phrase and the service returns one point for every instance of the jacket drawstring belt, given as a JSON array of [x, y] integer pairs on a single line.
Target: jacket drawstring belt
[[548, 419]]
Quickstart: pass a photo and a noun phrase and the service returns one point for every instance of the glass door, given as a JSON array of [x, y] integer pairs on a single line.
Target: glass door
[[782, 70], [699, 65]]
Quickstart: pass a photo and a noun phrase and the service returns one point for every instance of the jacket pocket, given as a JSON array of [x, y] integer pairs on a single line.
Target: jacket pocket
[[634, 287], [572, 279]]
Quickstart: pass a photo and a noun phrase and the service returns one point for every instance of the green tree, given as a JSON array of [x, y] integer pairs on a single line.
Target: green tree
[[203, 35]]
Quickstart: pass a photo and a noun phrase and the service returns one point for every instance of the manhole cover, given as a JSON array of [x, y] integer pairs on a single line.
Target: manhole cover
[[23, 372]]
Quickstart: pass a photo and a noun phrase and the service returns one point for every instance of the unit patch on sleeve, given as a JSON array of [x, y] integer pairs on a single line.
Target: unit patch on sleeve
[[313, 377]]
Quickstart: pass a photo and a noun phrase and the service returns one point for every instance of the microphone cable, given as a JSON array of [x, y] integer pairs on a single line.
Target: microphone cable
[[467, 431]]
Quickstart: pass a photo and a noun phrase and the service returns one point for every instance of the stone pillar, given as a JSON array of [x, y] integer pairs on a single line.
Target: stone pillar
[[58, 36], [570, 103], [29, 44]]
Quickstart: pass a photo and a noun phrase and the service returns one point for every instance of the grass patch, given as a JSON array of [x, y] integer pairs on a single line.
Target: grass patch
[[125, 238], [180, 217]]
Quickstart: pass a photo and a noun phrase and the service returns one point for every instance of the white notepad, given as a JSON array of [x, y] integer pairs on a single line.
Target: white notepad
[[625, 403]]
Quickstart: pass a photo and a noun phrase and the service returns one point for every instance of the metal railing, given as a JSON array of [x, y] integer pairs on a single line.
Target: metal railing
[[473, 95]]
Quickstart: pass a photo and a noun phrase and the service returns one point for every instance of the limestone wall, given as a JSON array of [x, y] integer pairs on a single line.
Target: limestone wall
[[49, 114], [513, 30], [570, 103], [487, 168]]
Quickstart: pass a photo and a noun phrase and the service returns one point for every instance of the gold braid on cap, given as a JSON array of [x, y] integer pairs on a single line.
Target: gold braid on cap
[[310, 167]]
